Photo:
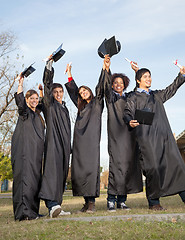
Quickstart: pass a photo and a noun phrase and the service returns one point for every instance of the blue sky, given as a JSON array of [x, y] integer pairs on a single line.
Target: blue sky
[[151, 33]]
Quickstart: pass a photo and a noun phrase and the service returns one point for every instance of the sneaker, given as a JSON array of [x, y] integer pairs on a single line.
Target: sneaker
[[111, 206], [62, 213], [123, 206], [55, 211], [91, 207]]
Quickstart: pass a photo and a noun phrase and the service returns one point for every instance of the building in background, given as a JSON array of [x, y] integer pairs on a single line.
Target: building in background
[[181, 143]]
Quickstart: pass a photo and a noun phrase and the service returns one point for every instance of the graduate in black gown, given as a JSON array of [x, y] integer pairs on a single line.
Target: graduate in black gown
[[160, 158], [85, 165], [124, 169], [57, 144], [26, 155]]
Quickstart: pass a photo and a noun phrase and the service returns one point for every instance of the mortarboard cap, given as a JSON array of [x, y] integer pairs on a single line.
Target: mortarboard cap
[[144, 116], [110, 46], [27, 71], [56, 55]]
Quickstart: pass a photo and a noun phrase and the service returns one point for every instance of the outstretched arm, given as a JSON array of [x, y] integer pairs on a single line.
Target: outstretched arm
[[170, 91], [71, 86]]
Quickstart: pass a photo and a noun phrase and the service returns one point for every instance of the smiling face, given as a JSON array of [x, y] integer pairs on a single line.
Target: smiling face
[[32, 101], [145, 81], [85, 94], [118, 85], [58, 94]]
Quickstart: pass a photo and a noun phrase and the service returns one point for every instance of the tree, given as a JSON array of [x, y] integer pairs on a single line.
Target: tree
[[68, 180], [104, 179], [5, 168], [8, 113]]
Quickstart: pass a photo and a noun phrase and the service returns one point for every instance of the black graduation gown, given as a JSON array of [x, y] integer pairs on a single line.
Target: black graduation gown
[[85, 165], [57, 144], [161, 161], [124, 168], [26, 156]]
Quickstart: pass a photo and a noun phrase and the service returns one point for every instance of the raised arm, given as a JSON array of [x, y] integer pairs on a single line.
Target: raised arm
[[100, 86], [19, 98], [20, 78], [107, 79], [170, 91], [71, 87], [41, 94], [48, 81]]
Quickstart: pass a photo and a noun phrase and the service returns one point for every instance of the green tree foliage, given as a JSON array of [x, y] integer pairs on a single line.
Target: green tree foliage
[[5, 168]]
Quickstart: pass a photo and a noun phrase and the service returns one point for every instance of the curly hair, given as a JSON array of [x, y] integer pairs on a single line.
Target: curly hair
[[125, 79]]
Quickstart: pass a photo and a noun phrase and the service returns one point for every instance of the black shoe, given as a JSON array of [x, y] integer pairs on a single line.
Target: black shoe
[[111, 206], [84, 208], [41, 215], [123, 206], [157, 207]]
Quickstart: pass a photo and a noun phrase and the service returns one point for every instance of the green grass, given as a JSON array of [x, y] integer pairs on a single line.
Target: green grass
[[115, 229]]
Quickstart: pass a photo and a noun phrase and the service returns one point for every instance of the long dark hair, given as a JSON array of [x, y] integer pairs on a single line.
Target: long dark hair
[[139, 75], [81, 102], [125, 79], [28, 94]]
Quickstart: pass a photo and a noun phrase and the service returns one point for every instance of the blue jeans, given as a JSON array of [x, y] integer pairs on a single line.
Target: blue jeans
[[156, 201], [153, 202], [182, 195], [50, 204], [89, 199], [119, 199]]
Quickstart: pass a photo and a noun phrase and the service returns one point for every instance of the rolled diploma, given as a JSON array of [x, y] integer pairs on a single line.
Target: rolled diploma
[[131, 62]]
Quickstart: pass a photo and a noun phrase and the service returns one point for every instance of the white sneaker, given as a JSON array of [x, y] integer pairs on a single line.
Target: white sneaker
[[123, 206], [55, 211], [62, 213], [111, 206]]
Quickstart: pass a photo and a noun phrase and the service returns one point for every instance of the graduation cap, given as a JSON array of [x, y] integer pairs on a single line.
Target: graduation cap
[[27, 71], [56, 55], [110, 46], [144, 116]]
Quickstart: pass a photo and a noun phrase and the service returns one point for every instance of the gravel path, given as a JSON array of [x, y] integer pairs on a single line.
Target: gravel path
[[172, 217]]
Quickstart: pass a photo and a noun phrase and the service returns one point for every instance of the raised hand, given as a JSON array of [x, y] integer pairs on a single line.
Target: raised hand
[[106, 63], [134, 66], [182, 70]]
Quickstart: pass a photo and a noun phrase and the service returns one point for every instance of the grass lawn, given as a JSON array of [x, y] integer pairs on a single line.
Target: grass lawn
[[115, 229]]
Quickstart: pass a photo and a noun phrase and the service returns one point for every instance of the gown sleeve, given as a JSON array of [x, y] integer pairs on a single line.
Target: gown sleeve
[[130, 108], [40, 107], [47, 81], [108, 87], [22, 106], [72, 90], [100, 86], [170, 91]]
